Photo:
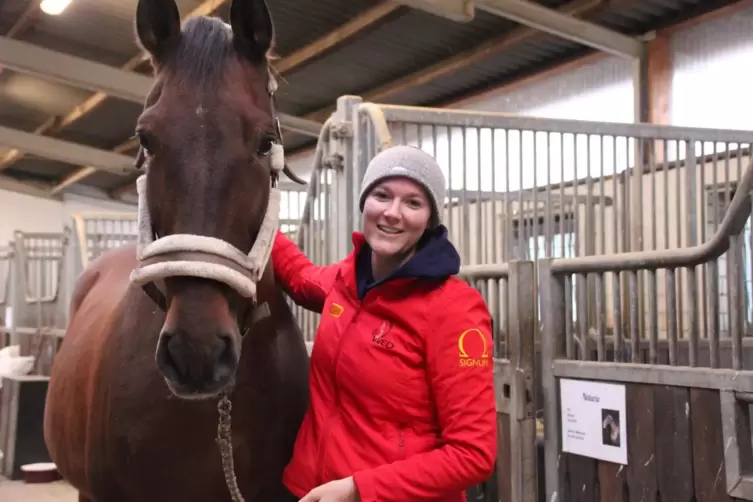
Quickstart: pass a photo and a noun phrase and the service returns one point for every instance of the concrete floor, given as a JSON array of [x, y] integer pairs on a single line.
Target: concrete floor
[[18, 491]]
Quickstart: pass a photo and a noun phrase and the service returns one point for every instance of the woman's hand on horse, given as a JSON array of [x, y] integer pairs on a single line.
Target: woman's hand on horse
[[341, 490]]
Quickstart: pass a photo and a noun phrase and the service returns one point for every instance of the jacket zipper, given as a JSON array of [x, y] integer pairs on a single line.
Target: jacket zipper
[[401, 444], [334, 414]]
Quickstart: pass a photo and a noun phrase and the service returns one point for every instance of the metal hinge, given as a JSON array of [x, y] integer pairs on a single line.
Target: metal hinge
[[334, 161], [341, 130]]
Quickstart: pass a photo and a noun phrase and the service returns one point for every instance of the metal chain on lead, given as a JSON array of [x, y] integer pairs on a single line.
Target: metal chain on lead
[[225, 441], [225, 406]]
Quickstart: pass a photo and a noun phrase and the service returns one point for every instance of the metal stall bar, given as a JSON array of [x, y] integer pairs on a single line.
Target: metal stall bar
[[6, 277], [527, 187]]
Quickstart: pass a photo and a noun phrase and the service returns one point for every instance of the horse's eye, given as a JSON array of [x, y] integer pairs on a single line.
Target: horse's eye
[[144, 142], [266, 145]]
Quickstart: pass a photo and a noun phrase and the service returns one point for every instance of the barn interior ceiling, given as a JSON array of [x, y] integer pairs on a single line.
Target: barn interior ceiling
[[72, 82]]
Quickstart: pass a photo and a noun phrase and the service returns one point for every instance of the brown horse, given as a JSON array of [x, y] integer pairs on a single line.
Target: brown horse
[[152, 356]]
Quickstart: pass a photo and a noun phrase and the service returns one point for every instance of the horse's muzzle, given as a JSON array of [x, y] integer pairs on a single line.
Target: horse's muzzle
[[197, 367]]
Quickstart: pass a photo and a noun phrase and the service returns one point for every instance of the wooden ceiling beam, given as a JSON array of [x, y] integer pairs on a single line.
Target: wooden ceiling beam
[[460, 61]]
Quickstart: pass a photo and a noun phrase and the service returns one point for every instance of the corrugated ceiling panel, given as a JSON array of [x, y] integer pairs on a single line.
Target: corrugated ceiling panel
[[485, 74], [103, 30], [402, 45], [106, 126], [107, 181], [300, 22], [36, 168]]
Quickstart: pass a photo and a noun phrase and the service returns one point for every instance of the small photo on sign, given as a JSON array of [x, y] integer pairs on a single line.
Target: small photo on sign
[[610, 427]]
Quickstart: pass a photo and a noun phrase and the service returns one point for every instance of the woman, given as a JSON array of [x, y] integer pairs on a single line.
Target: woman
[[402, 400]]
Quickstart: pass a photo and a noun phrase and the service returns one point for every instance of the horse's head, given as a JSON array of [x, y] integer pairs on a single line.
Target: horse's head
[[211, 147]]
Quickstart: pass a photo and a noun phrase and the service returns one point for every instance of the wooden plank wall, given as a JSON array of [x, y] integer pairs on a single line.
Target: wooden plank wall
[[675, 452]]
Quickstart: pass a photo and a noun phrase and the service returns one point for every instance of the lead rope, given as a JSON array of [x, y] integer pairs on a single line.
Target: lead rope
[[225, 442], [224, 405]]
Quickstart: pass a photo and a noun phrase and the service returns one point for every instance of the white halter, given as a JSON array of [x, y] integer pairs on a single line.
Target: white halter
[[208, 257]]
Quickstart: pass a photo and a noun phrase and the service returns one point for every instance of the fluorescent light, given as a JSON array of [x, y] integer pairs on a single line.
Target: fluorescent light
[[54, 7]]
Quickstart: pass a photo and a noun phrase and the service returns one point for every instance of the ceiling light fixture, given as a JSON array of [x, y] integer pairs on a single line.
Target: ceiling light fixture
[[54, 7]]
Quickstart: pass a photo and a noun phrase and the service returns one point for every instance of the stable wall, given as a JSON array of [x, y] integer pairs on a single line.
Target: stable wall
[[34, 214]]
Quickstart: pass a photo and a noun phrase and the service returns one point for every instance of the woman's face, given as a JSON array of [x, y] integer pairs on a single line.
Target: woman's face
[[395, 215]]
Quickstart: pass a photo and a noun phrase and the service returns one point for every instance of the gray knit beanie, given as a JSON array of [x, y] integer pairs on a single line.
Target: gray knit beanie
[[409, 162]]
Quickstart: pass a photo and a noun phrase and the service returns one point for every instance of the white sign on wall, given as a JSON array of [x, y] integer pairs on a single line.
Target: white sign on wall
[[594, 420]]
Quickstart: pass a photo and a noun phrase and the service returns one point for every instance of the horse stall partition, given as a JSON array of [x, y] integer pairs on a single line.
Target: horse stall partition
[[658, 417]]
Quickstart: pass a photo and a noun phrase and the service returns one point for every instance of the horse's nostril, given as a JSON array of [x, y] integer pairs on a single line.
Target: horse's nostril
[[175, 354], [228, 357], [226, 344], [165, 356]]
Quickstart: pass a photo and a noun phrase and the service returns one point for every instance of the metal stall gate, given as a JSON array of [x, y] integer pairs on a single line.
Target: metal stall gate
[[33, 299], [524, 188], [41, 272], [680, 402], [96, 232], [6, 260]]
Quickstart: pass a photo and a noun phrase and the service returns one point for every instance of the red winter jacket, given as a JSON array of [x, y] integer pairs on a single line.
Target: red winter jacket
[[401, 376]]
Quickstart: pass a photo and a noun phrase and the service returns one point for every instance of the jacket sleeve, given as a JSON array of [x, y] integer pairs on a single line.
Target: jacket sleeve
[[461, 374], [307, 284]]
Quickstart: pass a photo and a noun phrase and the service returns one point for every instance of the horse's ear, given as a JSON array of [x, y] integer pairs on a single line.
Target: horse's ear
[[253, 28], [157, 25]]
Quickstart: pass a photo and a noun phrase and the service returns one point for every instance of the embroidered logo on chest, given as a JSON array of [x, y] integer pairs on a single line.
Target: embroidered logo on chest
[[377, 337], [336, 310]]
